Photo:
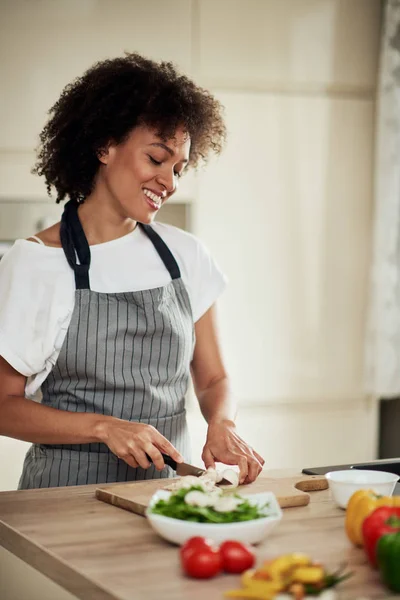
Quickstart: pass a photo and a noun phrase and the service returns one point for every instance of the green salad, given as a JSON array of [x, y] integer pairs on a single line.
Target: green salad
[[177, 508]]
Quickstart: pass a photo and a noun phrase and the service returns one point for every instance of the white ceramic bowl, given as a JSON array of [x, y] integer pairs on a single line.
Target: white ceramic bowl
[[343, 484], [251, 532]]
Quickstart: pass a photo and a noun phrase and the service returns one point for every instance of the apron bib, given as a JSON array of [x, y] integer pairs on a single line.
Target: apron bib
[[125, 355]]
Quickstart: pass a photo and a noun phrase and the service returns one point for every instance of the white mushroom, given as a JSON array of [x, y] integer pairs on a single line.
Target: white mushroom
[[186, 482], [206, 482], [196, 498], [215, 494], [215, 475], [210, 474], [231, 476], [219, 476], [227, 503]]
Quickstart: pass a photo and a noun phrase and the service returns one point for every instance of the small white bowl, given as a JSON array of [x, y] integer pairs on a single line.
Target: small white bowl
[[251, 532], [343, 484]]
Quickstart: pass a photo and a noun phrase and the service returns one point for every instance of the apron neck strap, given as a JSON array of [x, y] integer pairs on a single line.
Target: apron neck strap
[[163, 251], [75, 245]]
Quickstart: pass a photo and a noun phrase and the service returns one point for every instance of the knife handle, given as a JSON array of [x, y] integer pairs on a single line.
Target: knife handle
[[167, 459]]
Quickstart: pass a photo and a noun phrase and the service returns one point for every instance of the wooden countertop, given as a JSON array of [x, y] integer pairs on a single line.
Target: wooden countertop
[[98, 551]]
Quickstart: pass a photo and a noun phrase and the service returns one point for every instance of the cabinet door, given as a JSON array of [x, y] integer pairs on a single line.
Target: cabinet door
[[286, 211], [279, 44], [46, 43]]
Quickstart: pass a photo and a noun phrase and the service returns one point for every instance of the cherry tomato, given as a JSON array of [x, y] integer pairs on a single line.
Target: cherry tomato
[[236, 556], [203, 562], [195, 543]]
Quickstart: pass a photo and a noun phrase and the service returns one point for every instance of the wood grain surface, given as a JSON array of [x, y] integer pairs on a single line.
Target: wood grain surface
[[290, 491], [99, 552]]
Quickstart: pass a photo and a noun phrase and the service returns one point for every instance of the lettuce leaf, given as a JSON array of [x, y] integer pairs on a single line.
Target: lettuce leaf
[[177, 508]]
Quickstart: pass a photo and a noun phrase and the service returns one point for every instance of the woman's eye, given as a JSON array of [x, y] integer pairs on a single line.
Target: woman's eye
[[154, 161], [160, 162]]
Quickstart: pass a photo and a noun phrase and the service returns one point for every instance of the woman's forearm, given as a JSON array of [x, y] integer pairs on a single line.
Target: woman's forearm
[[30, 421], [216, 402]]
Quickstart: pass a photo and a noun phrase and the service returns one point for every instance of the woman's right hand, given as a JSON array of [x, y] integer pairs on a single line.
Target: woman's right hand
[[131, 441]]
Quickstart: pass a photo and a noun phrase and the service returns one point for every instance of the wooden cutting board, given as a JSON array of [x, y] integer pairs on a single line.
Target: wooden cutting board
[[289, 491]]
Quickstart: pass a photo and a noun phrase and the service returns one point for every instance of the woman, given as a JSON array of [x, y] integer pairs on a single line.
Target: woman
[[107, 312]]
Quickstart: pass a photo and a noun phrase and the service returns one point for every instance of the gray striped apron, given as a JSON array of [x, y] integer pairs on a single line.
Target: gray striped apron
[[125, 354]]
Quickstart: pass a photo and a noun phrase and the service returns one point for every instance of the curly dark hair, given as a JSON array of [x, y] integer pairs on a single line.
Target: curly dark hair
[[106, 103]]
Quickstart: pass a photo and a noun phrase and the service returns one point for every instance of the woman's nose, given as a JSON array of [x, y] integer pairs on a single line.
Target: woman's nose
[[168, 181]]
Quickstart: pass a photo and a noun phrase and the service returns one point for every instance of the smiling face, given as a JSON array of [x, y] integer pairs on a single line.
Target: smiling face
[[140, 174]]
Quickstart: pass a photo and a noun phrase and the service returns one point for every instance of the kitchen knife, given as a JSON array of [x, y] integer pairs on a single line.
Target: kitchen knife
[[183, 469]]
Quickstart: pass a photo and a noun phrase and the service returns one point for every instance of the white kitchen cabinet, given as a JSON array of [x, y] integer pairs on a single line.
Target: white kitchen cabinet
[[282, 44], [46, 43], [49, 42], [20, 581], [295, 186], [12, 454]]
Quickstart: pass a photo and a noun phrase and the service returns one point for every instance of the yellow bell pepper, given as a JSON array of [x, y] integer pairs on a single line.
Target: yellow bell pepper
[[247, 577], [308, 575], [360, 505], [256, 588], [278, 568], [273, 576], [296, 574]]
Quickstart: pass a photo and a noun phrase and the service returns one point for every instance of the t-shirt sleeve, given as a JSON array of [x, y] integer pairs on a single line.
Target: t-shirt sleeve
[[206, 281], [33, 313], [203, 277]]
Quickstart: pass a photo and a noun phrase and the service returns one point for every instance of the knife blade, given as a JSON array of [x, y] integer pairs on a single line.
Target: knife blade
[[183, 469]]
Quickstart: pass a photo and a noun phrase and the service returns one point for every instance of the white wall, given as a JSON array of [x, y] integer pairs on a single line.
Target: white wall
[[293, 188], [286, 210]]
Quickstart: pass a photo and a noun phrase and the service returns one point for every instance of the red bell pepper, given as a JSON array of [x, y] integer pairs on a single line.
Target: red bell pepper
[[382, 521]]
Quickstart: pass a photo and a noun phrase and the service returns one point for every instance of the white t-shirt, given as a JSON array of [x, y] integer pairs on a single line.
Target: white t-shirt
[[37, 290]]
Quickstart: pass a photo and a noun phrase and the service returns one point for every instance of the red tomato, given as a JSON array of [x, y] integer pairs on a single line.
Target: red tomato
[[202, 562], [236, 557], [194, 544]]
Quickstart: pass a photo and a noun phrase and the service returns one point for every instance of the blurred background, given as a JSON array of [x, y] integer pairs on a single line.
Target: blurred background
[[301, 210]]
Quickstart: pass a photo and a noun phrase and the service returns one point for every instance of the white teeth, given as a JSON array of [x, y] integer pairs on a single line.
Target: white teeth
[[156, 199]]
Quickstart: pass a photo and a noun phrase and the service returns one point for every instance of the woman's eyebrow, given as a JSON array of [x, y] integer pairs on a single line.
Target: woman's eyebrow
[[168, 149]]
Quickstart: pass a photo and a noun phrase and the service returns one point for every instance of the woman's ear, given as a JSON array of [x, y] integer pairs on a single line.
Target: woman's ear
[[106, 153], [102, 154]]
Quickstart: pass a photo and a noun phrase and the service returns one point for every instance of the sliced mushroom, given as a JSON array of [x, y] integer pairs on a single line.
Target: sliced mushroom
[[197, 498], [186, 482], [227, 503], [210, 474], [231, 476], [219, 476]]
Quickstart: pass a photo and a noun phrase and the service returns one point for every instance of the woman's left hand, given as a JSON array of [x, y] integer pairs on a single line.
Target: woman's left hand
[[224, 445]]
